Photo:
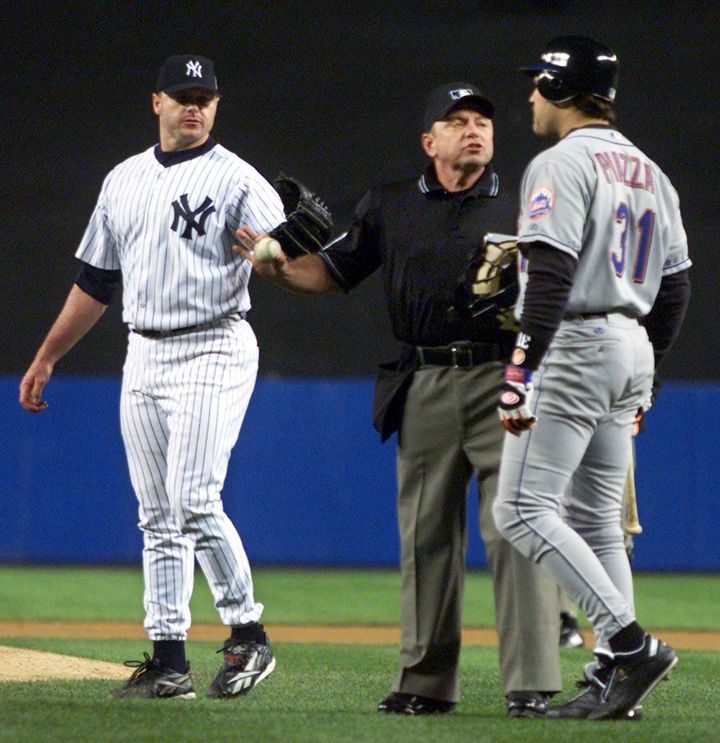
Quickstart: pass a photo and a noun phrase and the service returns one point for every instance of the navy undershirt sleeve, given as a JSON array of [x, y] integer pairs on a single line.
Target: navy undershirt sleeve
[[550, 279], [99, 283], [664, 320]]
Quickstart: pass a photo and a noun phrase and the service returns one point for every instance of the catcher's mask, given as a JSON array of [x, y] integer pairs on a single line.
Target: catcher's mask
[[488, 286]]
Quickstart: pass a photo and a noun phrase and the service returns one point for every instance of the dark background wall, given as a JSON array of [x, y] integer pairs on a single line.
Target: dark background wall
[[330, 92]]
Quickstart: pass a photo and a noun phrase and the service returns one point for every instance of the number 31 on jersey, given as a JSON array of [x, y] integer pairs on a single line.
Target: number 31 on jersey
[[642, 233]]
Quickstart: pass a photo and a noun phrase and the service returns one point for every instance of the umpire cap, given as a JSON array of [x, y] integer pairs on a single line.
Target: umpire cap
[[573, 65], [446, 98], [182, 71]]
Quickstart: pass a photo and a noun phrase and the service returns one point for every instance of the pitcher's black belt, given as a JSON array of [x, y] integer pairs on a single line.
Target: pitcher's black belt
[[462, 354], [189, 329]]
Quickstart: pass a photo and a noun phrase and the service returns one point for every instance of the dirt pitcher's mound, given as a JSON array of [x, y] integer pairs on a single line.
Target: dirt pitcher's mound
[[20, 664]]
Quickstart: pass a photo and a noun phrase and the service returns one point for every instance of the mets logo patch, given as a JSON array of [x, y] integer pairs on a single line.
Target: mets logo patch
[[541, 203]]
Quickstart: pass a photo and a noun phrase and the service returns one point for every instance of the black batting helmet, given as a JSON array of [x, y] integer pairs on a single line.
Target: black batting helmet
[[572, 65]]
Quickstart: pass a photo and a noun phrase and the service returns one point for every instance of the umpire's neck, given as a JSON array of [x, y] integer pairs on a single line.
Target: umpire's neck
[[458, 179]]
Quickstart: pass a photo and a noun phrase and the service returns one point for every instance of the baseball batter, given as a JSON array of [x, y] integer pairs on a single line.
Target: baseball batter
[[605, 264], [165, 223]]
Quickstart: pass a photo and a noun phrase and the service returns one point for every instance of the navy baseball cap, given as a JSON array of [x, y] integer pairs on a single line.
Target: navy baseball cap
[[182, 71], [446, 98]]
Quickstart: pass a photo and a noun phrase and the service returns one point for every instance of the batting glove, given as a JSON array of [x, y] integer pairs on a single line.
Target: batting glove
[[515, 396]]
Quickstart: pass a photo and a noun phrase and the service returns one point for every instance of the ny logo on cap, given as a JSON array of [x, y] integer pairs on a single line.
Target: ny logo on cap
[[460, 93], [193, 69]]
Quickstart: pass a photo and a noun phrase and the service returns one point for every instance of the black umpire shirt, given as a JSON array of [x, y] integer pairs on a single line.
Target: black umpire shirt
[[422, 236]]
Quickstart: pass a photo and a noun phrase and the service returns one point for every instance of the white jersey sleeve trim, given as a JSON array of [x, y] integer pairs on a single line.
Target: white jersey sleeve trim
[[548, 240], [672, 268]]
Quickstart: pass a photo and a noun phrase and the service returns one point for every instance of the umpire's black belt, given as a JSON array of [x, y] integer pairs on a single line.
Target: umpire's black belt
[[155, 334], [461, 355]]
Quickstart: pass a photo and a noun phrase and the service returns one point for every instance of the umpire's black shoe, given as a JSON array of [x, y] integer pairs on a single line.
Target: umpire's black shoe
[[151, 681], [633, 676], [245, 665], [526, 704], [570, 635], [412, 704]]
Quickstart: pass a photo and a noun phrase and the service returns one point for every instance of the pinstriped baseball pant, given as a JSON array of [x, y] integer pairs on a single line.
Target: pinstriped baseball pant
[[182, 404], [593, 379]]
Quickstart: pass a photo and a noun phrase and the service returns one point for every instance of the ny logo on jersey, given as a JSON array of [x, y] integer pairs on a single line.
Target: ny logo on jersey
[[192, 221], [193, 69]]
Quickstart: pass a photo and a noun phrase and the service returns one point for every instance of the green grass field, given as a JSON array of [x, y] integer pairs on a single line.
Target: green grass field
[[327, 692]]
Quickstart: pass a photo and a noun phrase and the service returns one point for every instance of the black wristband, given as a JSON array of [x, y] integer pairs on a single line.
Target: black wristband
[[529, 350]]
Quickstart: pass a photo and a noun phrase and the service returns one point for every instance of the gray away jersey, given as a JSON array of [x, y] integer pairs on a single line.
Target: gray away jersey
[[599, 198], [171, 230]]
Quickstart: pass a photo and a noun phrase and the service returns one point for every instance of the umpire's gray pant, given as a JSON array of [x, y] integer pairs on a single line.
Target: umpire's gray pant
[[450, 430]]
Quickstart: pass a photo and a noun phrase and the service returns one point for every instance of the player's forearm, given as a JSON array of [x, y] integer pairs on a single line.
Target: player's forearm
[[78, 315], [306, 275]]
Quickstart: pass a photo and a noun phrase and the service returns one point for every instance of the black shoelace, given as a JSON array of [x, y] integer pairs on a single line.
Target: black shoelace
[[140, 666]]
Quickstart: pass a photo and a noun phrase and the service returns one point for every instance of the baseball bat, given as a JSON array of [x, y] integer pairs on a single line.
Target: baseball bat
[[630, 518]]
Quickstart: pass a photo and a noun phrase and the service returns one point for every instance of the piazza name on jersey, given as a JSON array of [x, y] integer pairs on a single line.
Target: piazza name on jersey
[[619, 167]]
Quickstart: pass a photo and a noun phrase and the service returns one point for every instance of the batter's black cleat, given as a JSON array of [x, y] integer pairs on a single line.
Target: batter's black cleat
[[412, 704], [593, 703], [245, 665], [151, 681], [633, 676], [570, 636], [596, 675], [526, 704]]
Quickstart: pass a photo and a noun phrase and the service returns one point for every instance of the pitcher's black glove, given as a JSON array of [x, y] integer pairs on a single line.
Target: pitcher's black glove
[[309, 221]]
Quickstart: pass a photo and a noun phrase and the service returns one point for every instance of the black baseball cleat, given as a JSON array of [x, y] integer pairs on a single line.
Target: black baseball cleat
[[245, 665], [601, 677], [596, 675], [633, 676], [526, 704], [412, 704], [151, 681], [570, 636]]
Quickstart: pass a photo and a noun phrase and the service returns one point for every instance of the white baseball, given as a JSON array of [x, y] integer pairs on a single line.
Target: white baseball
[[267, 249]]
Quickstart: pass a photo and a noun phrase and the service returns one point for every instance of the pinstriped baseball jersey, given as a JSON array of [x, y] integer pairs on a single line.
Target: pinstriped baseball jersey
[[599, 198], [171, 231], [167, 220]]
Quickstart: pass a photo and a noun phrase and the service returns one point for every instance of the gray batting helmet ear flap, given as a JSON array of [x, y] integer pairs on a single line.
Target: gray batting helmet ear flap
[[573, 65]]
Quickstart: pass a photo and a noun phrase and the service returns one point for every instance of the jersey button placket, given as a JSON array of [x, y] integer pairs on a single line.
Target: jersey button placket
[[153, 207]]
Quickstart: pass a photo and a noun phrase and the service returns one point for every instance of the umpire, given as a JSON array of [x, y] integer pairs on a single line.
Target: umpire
[[442, 394]]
